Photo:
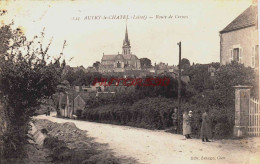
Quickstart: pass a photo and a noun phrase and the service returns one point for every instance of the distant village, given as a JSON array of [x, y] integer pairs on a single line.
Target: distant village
[[125, 64], [128, 64]]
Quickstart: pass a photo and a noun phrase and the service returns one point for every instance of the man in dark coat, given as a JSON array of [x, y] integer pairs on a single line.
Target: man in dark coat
[[205, 127], [175, 120]]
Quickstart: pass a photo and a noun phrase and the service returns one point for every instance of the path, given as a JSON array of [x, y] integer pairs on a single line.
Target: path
[[159, 147]]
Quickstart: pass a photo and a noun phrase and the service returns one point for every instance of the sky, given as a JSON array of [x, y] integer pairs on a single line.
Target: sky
[[195, 23]]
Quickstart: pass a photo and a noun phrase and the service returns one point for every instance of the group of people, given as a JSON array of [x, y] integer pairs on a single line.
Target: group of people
[[187, 117]]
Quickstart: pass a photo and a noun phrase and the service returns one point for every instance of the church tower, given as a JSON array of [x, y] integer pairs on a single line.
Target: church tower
[[126, 44]]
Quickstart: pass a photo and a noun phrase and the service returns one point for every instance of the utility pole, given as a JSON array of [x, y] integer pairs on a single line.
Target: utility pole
[[179, 90], [73, 96]]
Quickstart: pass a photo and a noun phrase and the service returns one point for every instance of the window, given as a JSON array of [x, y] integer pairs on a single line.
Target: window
[[118, 65], [236, 54]]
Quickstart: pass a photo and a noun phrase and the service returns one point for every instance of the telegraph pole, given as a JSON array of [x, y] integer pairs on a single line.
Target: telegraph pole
[[179, 90], [73, 100]]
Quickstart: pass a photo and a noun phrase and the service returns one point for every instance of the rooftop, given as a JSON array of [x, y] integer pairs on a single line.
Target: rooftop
[[246, 19]]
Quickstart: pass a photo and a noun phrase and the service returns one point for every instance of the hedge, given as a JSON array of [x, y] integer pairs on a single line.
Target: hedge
[[155, 113]]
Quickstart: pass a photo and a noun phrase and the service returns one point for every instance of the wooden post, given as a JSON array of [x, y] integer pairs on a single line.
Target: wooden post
[[179, 91], [73, 96]]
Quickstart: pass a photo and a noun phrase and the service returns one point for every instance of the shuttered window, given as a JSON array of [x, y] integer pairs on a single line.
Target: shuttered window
[[240, 55], [236, 54], [231, 55], [253, 58]]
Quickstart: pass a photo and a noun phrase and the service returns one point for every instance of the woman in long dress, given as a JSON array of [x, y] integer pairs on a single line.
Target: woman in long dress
[[186, 125]]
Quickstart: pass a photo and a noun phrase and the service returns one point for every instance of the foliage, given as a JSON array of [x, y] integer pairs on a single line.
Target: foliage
[[219, 91], [168, 91], [232, 75], [218, 94], [155, 113], [80, 77], [185, 63], [145, 63], [28, 74], [128, 97], [199, 76], [151, 113], [96, 65]]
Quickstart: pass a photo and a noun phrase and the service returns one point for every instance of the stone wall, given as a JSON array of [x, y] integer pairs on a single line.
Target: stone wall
[[242, 97]]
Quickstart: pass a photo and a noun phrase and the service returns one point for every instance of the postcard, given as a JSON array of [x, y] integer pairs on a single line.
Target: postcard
[[128, 81]]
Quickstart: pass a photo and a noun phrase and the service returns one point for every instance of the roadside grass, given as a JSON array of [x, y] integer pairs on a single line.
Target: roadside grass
[[68, 144]]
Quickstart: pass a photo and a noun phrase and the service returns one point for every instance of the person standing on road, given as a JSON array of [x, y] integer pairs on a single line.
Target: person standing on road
[[205, 127], [186, 125], [175, 119]]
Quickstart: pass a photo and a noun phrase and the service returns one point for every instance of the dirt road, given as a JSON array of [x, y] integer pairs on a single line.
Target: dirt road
[[158, 147]]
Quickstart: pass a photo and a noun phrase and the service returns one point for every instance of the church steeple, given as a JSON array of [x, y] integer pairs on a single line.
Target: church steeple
[[126, 44]]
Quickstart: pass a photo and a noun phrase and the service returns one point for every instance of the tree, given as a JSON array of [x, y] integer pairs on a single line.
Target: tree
[[145, 63], [185, 63], [96, 65], [28, 75], [231, 75], [199, 76]]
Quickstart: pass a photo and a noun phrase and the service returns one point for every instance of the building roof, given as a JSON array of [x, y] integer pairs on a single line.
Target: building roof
[[119, 57], [246, 19], [108, 57], [134, 57], [70, 95], [87, 95]]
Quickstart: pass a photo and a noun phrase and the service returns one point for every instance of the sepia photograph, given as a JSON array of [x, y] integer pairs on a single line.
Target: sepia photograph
[[129, 82]]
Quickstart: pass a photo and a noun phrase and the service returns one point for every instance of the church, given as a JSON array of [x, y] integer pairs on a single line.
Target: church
[[120, 62]]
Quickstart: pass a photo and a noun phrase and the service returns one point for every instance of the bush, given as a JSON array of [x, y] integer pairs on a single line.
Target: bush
[[155, 113], [150, 113], [28, 75]]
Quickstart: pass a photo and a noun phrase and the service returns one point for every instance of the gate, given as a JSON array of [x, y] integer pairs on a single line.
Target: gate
[[254, 118]]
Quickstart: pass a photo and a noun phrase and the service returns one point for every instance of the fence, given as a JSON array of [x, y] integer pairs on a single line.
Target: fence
[[254, 118]]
